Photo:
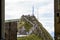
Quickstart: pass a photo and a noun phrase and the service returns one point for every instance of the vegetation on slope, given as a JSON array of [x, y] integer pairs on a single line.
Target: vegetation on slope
[[44, 30], [27, 25], [30, 37]]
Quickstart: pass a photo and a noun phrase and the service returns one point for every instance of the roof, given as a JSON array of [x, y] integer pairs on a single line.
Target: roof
[[12, 20]]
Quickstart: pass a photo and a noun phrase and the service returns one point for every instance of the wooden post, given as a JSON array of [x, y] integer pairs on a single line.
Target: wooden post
[[57, 19]]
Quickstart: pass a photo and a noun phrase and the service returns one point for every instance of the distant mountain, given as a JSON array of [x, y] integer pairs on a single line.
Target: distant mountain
[[29, 25]]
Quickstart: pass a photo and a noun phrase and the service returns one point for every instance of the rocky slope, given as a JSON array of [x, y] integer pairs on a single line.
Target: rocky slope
[[29, 25]]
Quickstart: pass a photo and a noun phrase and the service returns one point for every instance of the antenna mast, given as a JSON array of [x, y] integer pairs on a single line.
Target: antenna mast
[[33, 10]]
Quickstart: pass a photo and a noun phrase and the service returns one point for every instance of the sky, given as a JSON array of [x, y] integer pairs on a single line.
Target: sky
[[43, 10]]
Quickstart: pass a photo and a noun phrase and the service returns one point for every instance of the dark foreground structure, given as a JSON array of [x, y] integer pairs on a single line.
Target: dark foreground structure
[[57, 19], [11, 29]]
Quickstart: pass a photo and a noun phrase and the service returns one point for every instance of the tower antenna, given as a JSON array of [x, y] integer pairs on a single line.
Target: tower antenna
[[33, 10]]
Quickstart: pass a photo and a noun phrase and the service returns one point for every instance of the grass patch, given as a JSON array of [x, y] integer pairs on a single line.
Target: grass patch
[[30, 37]]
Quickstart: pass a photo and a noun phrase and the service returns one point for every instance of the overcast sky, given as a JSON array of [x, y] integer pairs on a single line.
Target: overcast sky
[[14, 9]]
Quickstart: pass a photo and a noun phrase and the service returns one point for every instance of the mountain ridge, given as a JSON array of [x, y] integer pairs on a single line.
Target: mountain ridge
[[30, 22]]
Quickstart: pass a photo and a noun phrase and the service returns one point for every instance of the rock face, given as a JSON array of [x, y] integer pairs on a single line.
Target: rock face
[[28, 25], [22, 31]]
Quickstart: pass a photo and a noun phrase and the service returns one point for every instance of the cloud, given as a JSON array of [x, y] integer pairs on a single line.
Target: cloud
[[10, 1], [46, 17]]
